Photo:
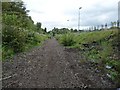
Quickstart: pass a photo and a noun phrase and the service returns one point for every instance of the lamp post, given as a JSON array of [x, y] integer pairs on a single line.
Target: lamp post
[[119, 14], [79, 18]]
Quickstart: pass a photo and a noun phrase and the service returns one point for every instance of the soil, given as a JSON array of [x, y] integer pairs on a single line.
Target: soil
[[52, 66]]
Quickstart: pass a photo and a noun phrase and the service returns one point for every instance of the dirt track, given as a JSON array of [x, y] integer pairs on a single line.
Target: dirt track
[[51, 66]]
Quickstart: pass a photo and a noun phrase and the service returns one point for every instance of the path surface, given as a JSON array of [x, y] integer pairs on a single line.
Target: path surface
[[51, 66]]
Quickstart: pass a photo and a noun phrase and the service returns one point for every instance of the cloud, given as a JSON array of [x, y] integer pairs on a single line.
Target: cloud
[[55, 13]]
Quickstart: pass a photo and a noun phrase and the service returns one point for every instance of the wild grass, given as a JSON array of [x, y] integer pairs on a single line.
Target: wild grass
[[99, 47], [37, 40], [67, 39]]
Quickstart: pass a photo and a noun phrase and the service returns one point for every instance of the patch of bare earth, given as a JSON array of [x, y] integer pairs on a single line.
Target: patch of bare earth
[[51, 66]]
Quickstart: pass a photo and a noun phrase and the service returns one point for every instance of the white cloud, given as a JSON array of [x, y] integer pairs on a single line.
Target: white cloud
[[55, 13]]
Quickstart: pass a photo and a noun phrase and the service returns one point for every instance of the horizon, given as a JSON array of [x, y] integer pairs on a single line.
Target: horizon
[[64, 14]]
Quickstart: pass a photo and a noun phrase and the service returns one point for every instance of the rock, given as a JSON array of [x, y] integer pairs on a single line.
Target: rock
[[108, 67], [109, 75]]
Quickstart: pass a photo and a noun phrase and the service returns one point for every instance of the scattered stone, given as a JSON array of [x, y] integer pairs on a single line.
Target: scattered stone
[[108, 67], [35, 72]]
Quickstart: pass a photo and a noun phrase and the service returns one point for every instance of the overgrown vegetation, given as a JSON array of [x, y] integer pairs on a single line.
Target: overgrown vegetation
[[99, 47], [66, 39], [19, 32]]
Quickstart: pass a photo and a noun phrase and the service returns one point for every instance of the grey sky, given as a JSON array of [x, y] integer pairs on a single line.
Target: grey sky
[[55, 13]]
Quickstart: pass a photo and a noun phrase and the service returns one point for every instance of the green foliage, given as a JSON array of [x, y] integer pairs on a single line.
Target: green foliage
[[99, 47], [38, 27], [14, 38], [93, 55], [60, 31], [104, 51], [38, 38], [19, 31], [67, 39], [14, 7], [88, 37], [7, 53]]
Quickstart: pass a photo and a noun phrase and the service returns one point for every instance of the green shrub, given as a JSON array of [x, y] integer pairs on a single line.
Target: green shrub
[[67, 39], [19, 33], [14, 38], [7, 53]]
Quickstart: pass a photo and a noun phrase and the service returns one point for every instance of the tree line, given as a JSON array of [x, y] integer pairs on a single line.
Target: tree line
[[112, 25]]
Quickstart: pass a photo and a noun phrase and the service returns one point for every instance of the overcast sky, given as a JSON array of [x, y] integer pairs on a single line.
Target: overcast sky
[[56, 13]]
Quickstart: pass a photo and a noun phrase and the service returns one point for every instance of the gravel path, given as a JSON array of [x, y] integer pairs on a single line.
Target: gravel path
[[51, 66]]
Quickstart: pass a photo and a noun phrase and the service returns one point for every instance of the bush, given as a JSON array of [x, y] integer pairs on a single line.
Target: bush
[[19, 33], [7, 53], [67, 39], [14, 38]]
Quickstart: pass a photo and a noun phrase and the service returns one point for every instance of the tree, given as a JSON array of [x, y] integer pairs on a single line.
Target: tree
[[95, 28], [14, 20], [38, 25], [18, 27], [115, 24], [17, 8], [75, 30], [45, 30], [71, 30], [102, 26], [106, 26], [118, 23]]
